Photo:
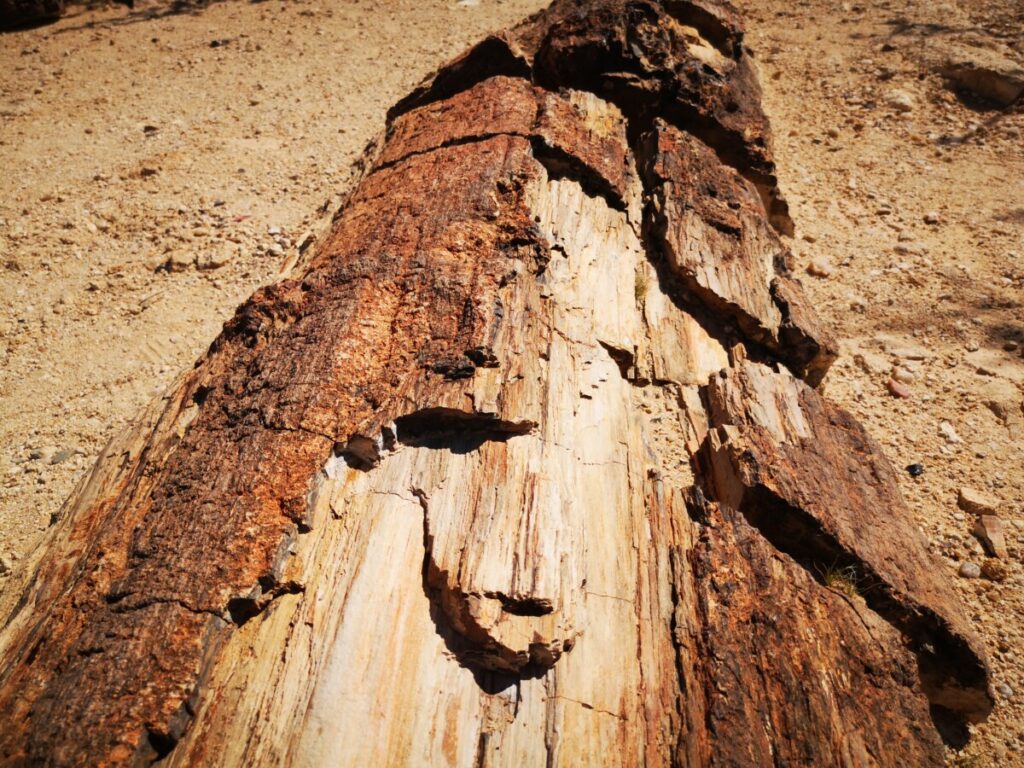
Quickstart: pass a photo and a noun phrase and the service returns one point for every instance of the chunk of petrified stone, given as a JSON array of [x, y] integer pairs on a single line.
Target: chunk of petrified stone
[[989, 531], [522, 465]]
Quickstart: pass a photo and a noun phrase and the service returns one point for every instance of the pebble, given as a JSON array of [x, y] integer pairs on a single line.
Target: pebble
[[214, 259], [896, 389], [179, 261], [62, 455], [993, 570], [1004, 690], [901, 101], [820, 267], [44, 454], [969, 571], [903, 375], [932, 217], [949, 432]]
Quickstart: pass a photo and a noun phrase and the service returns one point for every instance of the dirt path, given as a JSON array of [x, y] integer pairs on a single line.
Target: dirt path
[[158, 166]]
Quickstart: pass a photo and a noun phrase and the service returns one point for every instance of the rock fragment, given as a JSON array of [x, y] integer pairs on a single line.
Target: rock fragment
[[974, 502], [898, 389], [970, 571], [994, 570], [900, 101], [988, 529]]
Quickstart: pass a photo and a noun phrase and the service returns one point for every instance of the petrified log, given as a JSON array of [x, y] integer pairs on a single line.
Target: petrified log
[[21, 13], [525, 466]]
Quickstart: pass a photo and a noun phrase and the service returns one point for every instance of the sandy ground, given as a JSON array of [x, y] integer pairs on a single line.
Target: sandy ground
[[157, 165]]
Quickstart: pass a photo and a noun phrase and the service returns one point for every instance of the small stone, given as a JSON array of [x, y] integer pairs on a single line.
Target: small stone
[[820, 267], [44, 455], [833, 133], [5, 565], [949, 433], [896, 389], [901, 101], [179, 261], [969, 571], [974, 502], [903, 375], [1004, 690], [915, 470], [214, 259], [993, 570], [62, 455], [988, 529], [932, 217]]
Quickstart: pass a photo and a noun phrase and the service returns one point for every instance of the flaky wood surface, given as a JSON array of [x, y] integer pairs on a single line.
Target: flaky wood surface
[[519, 470]]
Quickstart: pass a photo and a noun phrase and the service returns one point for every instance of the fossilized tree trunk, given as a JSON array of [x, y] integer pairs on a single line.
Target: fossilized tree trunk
[[525, 467], [18, 13]]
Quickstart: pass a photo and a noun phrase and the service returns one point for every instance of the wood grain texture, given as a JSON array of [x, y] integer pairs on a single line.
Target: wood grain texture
[[524, 466]]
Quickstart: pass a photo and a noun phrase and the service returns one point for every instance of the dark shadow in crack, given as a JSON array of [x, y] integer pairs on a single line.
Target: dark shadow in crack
[[456, 431]]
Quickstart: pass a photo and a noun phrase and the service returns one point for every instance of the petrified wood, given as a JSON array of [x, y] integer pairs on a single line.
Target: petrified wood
[[525, 465], [20, 13]]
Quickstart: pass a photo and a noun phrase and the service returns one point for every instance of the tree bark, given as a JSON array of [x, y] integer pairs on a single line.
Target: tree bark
[[525, 466], [22, 13]]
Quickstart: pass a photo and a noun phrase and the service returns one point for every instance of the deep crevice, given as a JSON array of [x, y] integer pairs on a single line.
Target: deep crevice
[[492, 667], [718, 318], [527, 606], [473, 138], [729, 42], [455, 430], [564, 165], [241, 609], [162, 743], [951, 677]]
